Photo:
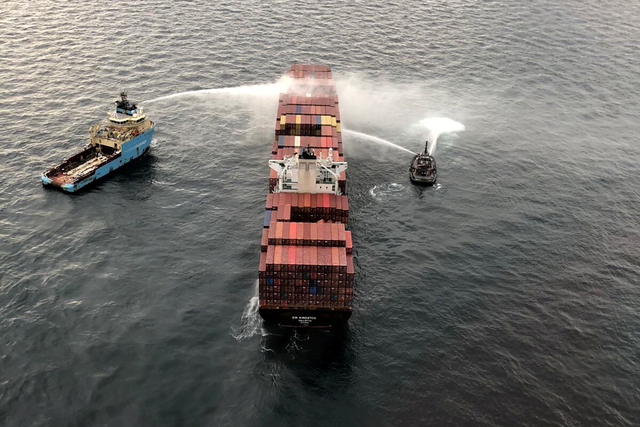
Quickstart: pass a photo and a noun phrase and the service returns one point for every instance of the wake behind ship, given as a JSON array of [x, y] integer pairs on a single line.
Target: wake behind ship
[[306, 274], [124, 136]]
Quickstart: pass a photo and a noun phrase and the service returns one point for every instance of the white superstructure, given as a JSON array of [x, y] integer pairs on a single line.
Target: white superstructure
[[306, 173]]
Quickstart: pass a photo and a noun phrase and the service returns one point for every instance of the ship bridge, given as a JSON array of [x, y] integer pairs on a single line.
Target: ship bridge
[[308, 173], [126, 112]]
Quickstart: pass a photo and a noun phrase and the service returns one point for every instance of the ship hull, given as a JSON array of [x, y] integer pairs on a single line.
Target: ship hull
[[425, 173], [306, 274], [423, 180], [305, 318], [133, 149]]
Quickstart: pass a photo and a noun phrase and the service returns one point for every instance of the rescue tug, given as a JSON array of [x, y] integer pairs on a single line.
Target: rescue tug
[[423, 168], [124, 136]]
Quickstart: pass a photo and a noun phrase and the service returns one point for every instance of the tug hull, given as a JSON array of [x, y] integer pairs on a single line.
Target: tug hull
[[423, 172]]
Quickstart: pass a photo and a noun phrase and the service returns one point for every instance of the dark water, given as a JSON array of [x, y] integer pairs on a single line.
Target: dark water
[[509, 295]]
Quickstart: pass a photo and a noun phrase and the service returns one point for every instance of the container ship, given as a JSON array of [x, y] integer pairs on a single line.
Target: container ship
[[306, 273], [124, 136]]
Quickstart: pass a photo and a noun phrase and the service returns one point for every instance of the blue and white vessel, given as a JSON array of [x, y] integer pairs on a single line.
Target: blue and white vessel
[[123, 137]]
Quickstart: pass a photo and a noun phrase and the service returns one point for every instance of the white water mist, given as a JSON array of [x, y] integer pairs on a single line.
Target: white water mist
[[437, 126], [259, 90], [376, 139]]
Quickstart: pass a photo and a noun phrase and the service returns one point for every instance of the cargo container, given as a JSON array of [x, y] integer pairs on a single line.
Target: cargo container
[[306, 274]]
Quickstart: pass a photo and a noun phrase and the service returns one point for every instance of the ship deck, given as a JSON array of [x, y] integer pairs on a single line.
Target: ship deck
[[81, 164]]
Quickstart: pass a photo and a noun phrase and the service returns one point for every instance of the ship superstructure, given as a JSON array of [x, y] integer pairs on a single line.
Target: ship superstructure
[[124, 136], [308, 173], [306, 273]]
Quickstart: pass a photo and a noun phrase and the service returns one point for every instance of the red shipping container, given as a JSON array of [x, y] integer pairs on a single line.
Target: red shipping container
[[299, 260], [319, 234], [300, 234], [263, 262], [327, 238], [328, 234], [335, 258], [306, 258], [271, 238], [279, 233], [343, 258], [314, 257], [277, 260], [345, 203], [270, 254], [292, 233], [328, 262], [292, 255], [285, 233], [314, 233], [306, 236]]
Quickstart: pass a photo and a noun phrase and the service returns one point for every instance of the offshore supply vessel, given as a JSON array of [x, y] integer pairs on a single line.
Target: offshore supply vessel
[[306, 273], [124, 136]]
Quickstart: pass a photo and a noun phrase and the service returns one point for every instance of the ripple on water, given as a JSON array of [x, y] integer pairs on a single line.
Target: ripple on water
[[385, 191]]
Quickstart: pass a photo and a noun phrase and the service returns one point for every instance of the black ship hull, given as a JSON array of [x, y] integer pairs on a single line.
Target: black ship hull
[[305, 318], [423, 180]]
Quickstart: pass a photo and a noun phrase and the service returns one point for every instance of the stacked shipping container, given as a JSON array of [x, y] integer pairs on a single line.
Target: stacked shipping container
[[306, 273]]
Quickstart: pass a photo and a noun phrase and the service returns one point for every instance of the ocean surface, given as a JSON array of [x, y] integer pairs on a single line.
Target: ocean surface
[[507, 295]]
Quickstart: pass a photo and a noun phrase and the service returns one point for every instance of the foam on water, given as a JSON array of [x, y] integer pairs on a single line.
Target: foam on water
[[250, 322], [381, 191]]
